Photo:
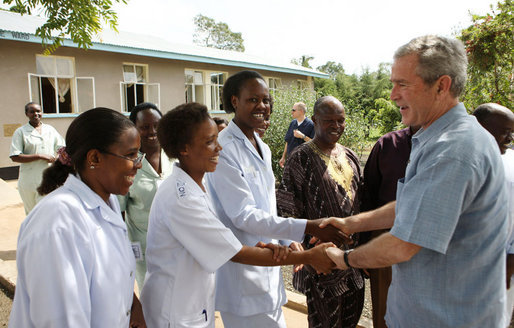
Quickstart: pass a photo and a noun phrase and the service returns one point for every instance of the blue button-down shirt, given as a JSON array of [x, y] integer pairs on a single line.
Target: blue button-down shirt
[[453, 204]]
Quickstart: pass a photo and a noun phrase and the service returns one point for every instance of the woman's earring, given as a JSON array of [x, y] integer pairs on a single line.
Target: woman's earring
[[91, 166]]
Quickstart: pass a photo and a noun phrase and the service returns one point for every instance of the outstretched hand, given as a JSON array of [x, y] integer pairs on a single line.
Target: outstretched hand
[[321, 261], [296, 247], [327, 232], [280, 252], [337, 255], [343, 224]]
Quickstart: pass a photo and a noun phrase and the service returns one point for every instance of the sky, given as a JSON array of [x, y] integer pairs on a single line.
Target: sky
[[358, 34]]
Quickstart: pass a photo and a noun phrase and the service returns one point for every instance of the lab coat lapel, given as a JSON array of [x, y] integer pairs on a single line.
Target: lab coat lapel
[[92, 201]]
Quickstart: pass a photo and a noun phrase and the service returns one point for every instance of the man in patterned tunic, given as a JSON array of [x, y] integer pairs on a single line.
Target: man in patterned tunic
[[322, 179]]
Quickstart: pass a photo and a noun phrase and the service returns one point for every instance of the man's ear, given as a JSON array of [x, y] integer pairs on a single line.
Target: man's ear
[[444, 84]]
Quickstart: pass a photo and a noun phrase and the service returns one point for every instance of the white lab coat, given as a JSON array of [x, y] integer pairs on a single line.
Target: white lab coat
[[243, 192], [186, 244], [27, 140], [75, 263], [508, 163]]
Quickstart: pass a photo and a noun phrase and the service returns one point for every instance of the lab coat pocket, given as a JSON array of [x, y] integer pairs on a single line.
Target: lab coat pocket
[[256, 280], [198, 320]]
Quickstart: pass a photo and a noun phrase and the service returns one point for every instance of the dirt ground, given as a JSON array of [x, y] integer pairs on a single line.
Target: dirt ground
[[5, 306]]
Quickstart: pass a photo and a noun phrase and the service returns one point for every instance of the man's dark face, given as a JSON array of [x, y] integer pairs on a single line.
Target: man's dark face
[[501, 127], [329, 123]]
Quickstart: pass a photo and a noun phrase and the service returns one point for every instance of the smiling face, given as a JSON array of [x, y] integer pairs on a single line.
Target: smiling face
[[329, 124], [265, 125], [202, 153], [114, 174], [34, 114], [252, 105], [146, 124], [416, 99]]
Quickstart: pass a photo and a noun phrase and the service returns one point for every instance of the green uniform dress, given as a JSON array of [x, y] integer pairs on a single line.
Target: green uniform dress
[[136, 204]]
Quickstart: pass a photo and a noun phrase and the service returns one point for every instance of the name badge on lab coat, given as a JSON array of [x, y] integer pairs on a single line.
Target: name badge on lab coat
[[138, 253]]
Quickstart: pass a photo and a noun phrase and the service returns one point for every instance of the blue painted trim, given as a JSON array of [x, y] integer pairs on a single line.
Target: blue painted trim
[[66, 115], [26, 37], [217, 112]]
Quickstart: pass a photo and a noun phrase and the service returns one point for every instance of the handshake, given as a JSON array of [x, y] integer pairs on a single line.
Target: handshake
[[325, 256]]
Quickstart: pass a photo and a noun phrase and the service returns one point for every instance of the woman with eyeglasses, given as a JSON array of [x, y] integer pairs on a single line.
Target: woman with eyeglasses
[[156, 166], [75, 263]]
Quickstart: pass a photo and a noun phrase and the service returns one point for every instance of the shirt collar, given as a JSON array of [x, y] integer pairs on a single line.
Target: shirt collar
[[435, 129], [92, 200], [236, 132]]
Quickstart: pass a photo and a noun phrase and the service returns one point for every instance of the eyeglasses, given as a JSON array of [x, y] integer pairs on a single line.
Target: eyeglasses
[[136, 160]]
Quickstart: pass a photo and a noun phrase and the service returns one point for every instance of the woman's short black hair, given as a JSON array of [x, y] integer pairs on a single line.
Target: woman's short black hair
[[98, 128], [233, 86], [140, 107], [176, 127]]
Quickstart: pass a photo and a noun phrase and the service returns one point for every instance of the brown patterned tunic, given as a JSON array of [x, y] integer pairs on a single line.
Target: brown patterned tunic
[[315, 185]]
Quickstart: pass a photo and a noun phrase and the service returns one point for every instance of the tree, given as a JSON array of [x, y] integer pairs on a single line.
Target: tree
[[331, 68], [77, 19], [489, 43], [303, 61], [209, 33]]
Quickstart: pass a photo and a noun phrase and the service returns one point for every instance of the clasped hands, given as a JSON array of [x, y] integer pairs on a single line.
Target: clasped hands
[[325, 256]]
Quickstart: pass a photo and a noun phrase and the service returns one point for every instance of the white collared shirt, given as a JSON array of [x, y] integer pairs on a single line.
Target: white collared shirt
[[186, 244], [243, 193], [75, 263]]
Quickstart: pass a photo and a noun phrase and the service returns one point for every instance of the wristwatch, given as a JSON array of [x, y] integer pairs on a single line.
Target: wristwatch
[[345, 257]]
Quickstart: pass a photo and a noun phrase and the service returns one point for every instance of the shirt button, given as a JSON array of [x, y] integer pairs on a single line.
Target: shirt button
[[128, 313], [131, 272]]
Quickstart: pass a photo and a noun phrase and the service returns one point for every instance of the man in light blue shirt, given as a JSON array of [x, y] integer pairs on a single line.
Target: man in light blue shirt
[[449, 223]]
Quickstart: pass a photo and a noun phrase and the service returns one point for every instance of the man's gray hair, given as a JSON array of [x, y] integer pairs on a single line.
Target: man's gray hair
[[438, 56]]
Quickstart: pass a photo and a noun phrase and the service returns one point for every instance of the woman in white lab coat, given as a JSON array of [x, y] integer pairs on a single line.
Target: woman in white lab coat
[[186, 242], [75, 263], [243, 192]]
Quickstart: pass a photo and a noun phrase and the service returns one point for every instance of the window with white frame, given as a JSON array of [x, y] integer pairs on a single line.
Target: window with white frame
[[56, 88], [135, 89], [302, 84], [205, 87], [274, 84]]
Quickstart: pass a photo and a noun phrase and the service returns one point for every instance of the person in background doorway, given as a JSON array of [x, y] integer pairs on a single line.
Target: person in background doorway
[[156, 166], [301, 129], [34, 145], [74, 260], [499, 121]]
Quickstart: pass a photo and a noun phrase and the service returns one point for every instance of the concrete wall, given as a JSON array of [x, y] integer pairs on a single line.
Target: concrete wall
[[19, 58]]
